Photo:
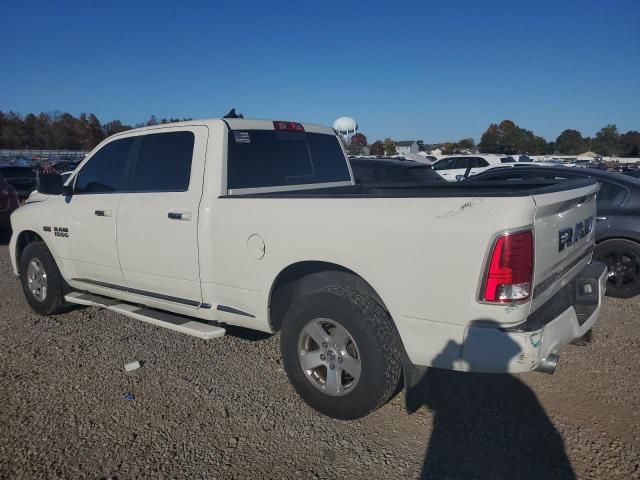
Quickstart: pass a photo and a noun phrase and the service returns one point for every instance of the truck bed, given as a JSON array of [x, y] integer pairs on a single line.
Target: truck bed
[[439, 189]]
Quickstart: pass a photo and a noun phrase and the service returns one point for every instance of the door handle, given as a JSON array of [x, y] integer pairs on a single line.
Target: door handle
[[103, 213], [600, 219], [179, 215]]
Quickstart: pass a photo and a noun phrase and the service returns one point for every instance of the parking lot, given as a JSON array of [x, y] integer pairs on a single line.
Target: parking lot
[[224, 408]]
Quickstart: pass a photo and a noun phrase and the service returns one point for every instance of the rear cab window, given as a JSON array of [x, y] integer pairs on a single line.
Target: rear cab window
[[274, 160]]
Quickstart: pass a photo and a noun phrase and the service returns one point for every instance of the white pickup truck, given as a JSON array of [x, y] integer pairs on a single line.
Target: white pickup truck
[[197, 225]]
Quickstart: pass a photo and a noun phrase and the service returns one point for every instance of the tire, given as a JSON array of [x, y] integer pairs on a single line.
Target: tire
[[37, 263], [373, 349], [623, 260]]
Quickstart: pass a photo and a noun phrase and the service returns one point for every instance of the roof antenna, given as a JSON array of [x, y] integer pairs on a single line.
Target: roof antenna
[[232, 114]]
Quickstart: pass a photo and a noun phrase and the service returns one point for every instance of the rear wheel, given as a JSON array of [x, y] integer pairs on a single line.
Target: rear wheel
[[622, 257], [341, 352], [41, 281]]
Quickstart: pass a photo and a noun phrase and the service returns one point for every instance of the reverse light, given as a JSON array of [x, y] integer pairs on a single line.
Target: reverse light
[[510, 270], [288, 126]]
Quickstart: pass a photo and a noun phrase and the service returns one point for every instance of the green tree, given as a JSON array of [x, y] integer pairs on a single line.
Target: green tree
[[389, 146], [466, 144], [13, 134], [115, 126], [30, 128], [359, 139], [507, 138], [490, 140], [376, 148], [607, 141], [358, 142], [570, 142], [95, 132], [66, 132], [630, 144]]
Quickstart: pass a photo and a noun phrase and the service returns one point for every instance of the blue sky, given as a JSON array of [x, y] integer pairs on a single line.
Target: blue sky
[[431, 70]]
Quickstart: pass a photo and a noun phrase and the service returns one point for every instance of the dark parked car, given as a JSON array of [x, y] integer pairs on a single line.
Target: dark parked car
[[8, 203], [23, 179], [618, 218], [65, 166], [633, 173], [382, 171]]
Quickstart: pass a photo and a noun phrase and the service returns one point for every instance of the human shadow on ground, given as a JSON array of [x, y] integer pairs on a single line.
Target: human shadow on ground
[[486, 426]]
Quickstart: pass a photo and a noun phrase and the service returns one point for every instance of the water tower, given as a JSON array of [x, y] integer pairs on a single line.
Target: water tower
[[346, 126]]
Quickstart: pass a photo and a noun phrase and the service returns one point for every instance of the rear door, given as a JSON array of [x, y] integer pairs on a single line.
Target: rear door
[[158, 217]]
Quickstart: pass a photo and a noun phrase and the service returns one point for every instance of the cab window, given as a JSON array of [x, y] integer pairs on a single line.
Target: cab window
[[164, 163], [105, 172], [268, 158]]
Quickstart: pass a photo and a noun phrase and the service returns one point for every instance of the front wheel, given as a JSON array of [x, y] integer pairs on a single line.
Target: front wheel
[[341, 352], [41, 281], [622, 257]]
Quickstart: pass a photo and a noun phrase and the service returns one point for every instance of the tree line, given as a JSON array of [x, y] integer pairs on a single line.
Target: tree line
[[63, 131], [507, 138]]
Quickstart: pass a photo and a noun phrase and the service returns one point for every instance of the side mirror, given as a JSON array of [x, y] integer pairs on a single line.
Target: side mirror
[[459, 178], [49, 184]]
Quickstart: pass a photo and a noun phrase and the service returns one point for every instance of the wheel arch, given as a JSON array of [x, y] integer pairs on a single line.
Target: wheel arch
[[618, 237], [305, 276], [23, 239]]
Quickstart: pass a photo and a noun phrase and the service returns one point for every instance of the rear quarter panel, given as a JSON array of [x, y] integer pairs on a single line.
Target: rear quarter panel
[[423, 256]]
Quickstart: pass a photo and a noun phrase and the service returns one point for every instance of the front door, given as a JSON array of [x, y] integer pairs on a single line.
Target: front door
[[158, 220], [85, 222]]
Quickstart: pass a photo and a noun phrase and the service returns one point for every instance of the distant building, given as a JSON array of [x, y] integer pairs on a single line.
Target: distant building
[[406, 146]]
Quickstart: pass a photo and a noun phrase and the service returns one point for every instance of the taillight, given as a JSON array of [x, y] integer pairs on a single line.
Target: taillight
[[288, 126], [510, 270]]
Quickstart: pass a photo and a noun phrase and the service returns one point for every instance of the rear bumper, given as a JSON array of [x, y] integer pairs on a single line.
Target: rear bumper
[[535, 343]]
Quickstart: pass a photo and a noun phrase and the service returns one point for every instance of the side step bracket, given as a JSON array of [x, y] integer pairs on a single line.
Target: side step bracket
[[179, 323]]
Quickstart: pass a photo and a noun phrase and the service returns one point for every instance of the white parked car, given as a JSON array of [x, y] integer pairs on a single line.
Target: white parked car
[[196, 225], [454, 168]]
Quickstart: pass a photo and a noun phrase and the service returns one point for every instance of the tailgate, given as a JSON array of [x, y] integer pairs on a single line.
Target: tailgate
[[564, 229]]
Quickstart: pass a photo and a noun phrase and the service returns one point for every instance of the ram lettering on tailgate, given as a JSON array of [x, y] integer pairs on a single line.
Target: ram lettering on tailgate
[[569, 236]]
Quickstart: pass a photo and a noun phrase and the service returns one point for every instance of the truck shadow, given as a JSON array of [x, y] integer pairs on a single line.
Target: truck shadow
[[486, 425], [247, 334]]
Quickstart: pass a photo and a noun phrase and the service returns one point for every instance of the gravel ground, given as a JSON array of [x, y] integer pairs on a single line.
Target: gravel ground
[[224, 408]]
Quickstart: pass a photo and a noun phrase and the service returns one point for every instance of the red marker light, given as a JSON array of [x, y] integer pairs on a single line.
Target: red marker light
[[288, 126]]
